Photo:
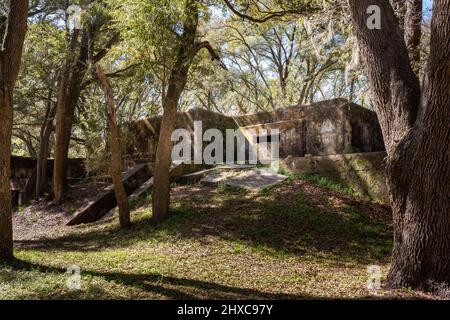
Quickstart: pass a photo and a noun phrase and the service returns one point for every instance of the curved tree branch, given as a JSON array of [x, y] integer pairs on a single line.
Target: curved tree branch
[[270, 15], [214, 56]]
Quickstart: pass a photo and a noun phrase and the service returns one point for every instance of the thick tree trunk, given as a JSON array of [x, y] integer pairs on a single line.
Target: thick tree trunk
[[6, 117], [395, 87], [419, 183], [10, 58], [417, 133], [419, 177], [116, 151], [177, 82]]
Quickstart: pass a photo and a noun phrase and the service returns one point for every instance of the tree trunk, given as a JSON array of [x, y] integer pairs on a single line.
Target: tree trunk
[[417, 134], [395, 87], [44, 149], [352, 89], [413, 30], [68, 96], [69, 93], [177, 82], [421, 190], [400, 11], [10, 58], [116, 151], [59, 166], [6, 117]]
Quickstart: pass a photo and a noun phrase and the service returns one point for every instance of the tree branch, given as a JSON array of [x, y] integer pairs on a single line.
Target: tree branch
[[102, 53], [214, 56], [270, 15], [114, 74]]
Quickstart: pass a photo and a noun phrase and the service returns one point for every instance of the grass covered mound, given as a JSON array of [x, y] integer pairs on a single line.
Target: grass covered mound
[[297, 240]]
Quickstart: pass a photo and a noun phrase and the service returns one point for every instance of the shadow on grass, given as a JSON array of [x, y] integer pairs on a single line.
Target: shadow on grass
[[167, 287], [295, 218]]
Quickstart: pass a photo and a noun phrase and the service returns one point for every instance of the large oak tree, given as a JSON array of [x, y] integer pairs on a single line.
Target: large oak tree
[[415, 121], [416, 126]]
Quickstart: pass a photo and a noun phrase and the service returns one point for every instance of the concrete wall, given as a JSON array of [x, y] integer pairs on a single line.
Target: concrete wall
[[323, 128], [22, 167], [23, 173], [320, 129], [291, 136], [141, 137], [363, 172]]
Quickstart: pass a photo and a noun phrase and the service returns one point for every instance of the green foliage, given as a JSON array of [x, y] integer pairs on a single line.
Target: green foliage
[[298, 58], [36, 87]]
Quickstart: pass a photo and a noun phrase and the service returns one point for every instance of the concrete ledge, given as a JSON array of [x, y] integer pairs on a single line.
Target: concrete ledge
[[363, 172]]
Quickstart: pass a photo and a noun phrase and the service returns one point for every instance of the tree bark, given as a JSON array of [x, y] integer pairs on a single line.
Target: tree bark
[[413, 30], [400, 11], [417, 134], [69, 93], [63, 123], [352, 89], [395, 87], [116, 151], [10, 58], [70, 87], [177, 82], [44, 148], [422, 206], [6, 117]]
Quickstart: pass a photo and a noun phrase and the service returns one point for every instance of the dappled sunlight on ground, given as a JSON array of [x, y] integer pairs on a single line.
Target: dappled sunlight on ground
[[293, 241]]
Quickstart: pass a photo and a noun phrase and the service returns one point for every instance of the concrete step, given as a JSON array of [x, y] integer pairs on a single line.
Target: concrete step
[[94, 210], [145, 187], [137, 180], [218, 171], [216, 178], [252, 180], [236, 167]]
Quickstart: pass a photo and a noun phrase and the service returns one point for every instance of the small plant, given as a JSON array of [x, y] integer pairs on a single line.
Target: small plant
[[141, 200]]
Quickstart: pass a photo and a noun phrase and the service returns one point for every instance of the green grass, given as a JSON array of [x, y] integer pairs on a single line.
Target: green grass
[[292, 241], [143, 198], [321, 181]]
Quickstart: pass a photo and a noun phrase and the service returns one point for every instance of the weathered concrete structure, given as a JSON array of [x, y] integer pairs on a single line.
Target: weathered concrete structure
[[335, 138], [23, 176], [308, 135], [141, 137], [364, 173], [322, 128]]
